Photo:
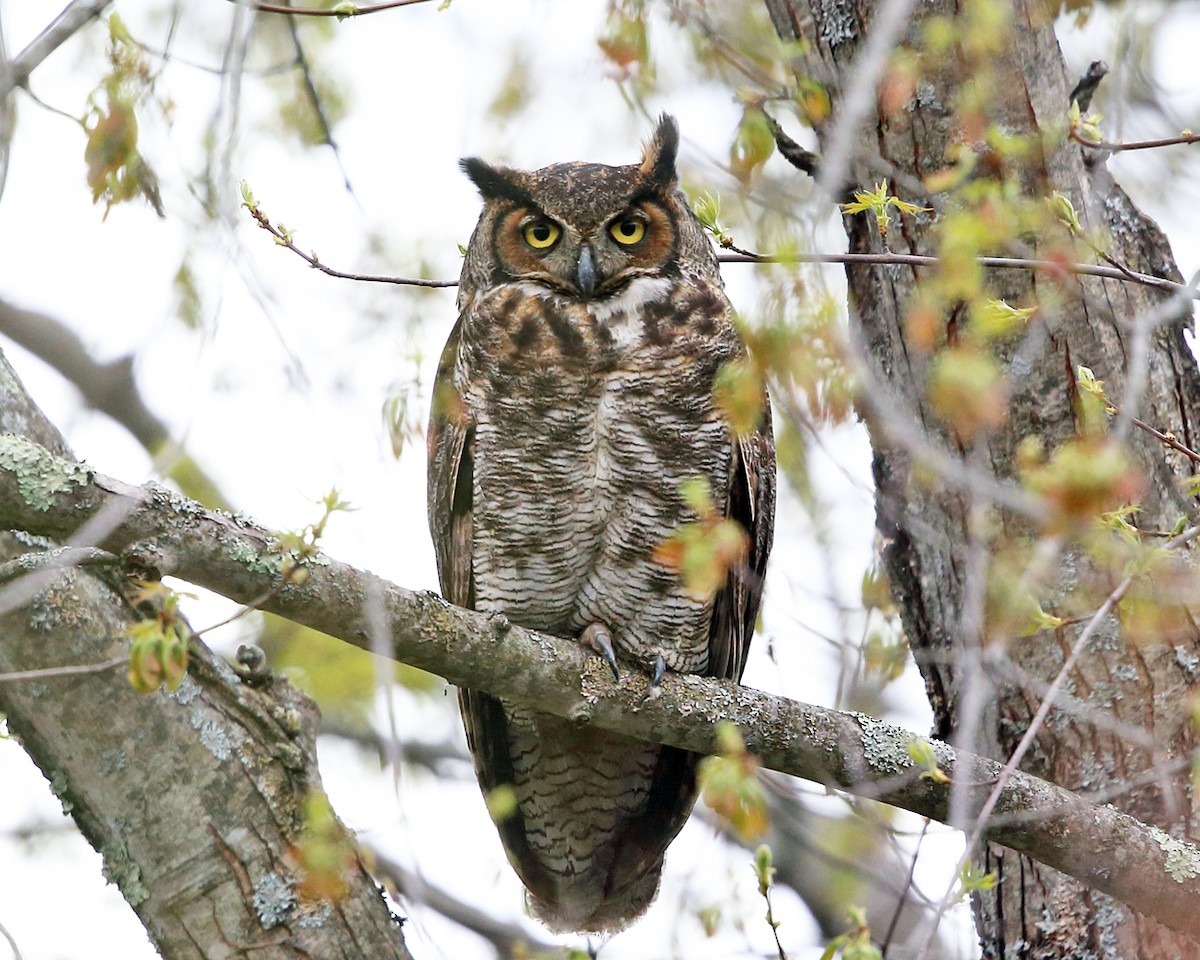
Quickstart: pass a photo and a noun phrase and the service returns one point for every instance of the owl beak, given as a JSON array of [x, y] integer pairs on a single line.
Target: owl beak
[[585, 271]]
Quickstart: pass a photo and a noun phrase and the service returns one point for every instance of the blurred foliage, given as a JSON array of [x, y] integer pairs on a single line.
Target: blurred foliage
[[116, 171], [703, 551], [855, 943], [729, 784], [342, 679], [324, 852], [158, 651]]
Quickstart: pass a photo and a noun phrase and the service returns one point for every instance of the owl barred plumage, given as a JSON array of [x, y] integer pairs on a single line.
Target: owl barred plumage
[[574, 398]]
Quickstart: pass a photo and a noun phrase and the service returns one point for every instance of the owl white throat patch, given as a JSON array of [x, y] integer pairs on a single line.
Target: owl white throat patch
[[621, 314]]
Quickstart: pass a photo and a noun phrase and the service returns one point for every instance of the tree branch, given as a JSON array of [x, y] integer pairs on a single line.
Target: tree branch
[[74, 17], [339, 10], [163, 532], [111, 389]]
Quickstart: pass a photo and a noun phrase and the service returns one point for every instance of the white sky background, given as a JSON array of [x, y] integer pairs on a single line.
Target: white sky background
[[279, 398]]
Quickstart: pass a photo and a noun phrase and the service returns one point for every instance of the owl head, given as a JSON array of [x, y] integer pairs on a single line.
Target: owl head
[[585, 230]]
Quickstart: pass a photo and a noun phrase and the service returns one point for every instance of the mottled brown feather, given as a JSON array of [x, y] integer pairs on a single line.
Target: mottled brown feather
[[535, 345]]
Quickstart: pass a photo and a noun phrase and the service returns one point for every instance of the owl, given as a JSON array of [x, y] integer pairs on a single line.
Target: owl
[[573, 400]]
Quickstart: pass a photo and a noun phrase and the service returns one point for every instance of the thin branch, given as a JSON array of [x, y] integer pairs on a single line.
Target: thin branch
[[980, 829], [1155, 873], [284, 239], [16, 952], [507, 938], [1118, 147], [74, 17], [71, 670], [741, 255], [909, 882], [1168, 438], [340, 10], [110, 388], [1054, 267], [314, 99]]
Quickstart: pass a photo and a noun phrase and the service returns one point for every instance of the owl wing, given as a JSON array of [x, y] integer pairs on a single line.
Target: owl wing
[[752, 504], [451, 446]]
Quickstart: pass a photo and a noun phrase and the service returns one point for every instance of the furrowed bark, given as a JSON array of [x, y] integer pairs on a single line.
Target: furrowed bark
[[1131, 719]]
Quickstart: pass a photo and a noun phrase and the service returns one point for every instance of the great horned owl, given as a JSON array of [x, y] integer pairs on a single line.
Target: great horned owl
[[573, 399]]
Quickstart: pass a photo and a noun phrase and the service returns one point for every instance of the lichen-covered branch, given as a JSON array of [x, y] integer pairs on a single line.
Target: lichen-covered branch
[[160, 532], [193, 798]]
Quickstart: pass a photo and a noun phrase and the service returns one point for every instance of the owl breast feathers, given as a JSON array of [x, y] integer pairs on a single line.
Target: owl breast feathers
[[573, 400]]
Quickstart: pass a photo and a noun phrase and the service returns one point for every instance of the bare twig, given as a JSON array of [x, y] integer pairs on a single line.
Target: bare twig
[[912, 869], [999, 263], [314, 99], [71, 670], [341, 10], [284, 240], [12, 944], [1117, 147], [507, 938], [73, 18], [1010, 768]]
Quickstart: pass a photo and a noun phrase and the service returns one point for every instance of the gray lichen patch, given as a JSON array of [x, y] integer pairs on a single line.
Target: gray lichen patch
[[273, 900], [61, 789], [885, 746], [40, 475], [127, 875], [837, 22], [219, 739], [1182, 858], [269, 563]]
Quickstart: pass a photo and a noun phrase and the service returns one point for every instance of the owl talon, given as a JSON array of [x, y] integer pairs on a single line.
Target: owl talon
[[660, 667], [597, 637]]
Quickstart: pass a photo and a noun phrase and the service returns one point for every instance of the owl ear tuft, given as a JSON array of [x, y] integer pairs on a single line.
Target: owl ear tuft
[[658, 162], [495, 183]]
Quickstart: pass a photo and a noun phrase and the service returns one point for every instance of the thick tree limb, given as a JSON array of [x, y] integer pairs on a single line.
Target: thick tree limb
[[195, 798], [159, 530]]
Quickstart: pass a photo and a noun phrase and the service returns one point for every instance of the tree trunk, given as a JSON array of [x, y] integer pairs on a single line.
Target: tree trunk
[[194, 798], [1121, 725]]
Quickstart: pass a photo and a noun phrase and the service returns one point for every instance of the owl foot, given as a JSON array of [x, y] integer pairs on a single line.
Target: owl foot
[[597, 638], [660, 668]]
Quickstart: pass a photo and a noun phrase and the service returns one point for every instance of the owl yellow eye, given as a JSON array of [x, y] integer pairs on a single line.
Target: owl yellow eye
[[541, 235], [628, 231]]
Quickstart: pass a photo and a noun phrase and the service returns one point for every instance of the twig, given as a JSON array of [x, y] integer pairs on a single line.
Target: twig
[[1167, 438], [999, 263], [284, 240], [1039, 718], [310, 88], [16, 952], [73, 18], [72, 670], [1113, 147], [341, 10], [908, 883], [505, 937]]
